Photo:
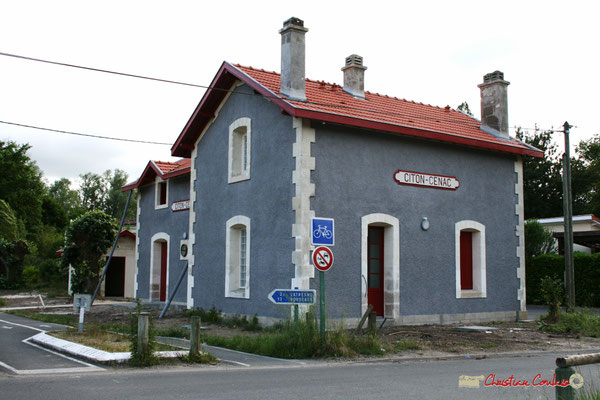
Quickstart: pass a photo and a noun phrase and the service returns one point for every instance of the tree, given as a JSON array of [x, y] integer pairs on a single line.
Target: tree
[[542, 181], [585, 177], [53, 213], [464, 107], [86, 240], [538, 239], [21, 185], [68, 198], [103, 192], [9, 228]]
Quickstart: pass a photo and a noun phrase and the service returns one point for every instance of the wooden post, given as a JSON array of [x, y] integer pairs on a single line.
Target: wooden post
[[567, 392], [195, 337], [372, 321], [580, 359], [143, 337], [364, 318]]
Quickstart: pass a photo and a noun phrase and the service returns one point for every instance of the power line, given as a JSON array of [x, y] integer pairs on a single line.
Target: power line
[[345, 107], [84, 134], [340, 106]]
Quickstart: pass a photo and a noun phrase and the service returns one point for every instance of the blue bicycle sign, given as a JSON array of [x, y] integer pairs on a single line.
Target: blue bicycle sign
[[322, 231]]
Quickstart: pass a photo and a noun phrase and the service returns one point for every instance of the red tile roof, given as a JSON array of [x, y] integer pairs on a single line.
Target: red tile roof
[[328, 102], [164, 169]]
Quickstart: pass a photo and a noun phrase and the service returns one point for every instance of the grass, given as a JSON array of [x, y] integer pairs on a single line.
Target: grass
[[301, 341], [582, 322], [96, 338], [69, 320], [2, 302], [406, 344]]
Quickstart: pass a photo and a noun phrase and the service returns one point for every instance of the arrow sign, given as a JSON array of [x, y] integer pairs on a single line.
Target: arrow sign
[[292, 296], [322, 258]]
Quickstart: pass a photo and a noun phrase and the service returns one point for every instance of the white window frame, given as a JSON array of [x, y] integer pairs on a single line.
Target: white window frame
[[234, 227], [157, 182], [391, 262], [239, 156], [479, 259]]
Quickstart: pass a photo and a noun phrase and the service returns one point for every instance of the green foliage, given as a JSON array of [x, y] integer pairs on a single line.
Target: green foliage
[[587, 277], [552, 291], [103, 192], [200, 358], [31, 276], [21, 185], [582, 322], [12, 257], [212, 316], [68, 198], [8, 222], [406, 344], [538, 240], [69, 320], [464, 107], [142, 358], [87, 240], [542, 182], [301, 340], [53, 213]]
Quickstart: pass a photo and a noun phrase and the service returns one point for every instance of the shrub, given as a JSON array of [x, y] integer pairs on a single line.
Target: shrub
[[141, 358], [553, 292], [31, 276], [582, 322]]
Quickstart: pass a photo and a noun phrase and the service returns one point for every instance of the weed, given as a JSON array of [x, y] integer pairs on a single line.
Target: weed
[[2, 302], [201, 358], [582, 322], [406, 344], [174, 332], [61, 319], [145, 357]]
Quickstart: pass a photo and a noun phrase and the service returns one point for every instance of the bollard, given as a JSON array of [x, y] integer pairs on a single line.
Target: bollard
[[195, 337], [567, 392], [81, 313], [143, 338], [372, 321]]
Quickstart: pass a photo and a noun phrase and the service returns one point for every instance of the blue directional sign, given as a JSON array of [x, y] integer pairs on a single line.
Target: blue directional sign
[[292, 296], [322, 232]]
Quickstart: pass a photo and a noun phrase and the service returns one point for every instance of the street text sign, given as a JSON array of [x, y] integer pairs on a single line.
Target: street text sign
[[292, 296]]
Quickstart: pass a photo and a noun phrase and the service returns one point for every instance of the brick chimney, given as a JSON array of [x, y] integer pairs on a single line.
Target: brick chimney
[[354, 76], [494, 103], [292, 59]]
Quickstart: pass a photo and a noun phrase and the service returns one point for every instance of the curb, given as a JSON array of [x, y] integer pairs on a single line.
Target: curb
[[89, 353]]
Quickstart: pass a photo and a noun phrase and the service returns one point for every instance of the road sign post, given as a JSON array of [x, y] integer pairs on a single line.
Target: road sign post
[[323, 260]]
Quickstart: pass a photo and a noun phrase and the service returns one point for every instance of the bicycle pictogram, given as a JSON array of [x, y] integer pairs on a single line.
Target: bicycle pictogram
[[322, 231]]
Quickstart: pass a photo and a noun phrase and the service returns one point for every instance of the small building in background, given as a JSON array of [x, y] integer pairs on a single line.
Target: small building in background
[[586, 232]]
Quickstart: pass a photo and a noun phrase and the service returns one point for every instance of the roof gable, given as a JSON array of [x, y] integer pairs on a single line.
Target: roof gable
[[329, 103], [163, 169]]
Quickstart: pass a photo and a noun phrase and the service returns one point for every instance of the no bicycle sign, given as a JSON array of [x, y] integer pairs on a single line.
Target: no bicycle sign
[[322, 258]]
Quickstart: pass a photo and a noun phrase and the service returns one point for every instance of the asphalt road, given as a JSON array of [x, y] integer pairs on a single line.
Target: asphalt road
[[19, 356], [382, 380]]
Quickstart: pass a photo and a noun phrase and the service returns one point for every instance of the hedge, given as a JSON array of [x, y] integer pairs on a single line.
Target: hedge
[[587, 277]]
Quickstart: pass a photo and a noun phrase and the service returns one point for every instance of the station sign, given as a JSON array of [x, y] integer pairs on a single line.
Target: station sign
[[421, 179]]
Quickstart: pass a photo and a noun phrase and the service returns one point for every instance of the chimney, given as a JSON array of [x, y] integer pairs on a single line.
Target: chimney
[[292, 59], [494, 103], [354, 76]]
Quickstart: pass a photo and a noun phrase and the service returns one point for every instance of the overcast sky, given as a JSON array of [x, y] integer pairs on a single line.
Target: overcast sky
[[434, 52]]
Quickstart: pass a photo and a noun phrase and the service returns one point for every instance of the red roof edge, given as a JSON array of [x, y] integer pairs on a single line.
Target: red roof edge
[[151, 167]]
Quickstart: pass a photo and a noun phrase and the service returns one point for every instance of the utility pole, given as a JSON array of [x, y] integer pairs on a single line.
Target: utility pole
[[568, 222]]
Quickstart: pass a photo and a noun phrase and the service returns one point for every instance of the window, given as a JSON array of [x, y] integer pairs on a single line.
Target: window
[[237, 257], [161, 194], [239, 150], [470, 259]]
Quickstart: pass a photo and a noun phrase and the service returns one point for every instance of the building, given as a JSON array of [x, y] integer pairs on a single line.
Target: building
[[427, 201], [586, 232]]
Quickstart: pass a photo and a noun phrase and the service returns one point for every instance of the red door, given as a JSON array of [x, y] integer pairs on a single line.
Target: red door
[[163, 271], [466, 260], [375, 269]]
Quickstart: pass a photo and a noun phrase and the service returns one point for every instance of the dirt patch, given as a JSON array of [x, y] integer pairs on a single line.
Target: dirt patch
[[426, 340]]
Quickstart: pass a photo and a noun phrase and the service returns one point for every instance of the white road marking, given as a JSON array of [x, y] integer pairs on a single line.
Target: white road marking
[[7, 327], [44, 326], [237, 363], [88, 367], [22, 326]]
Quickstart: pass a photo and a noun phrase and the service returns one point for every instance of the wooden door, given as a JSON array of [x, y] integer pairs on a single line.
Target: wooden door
[[375, 269], [163, 271]]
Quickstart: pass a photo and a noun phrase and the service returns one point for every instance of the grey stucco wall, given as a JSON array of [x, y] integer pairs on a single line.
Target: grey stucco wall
[[163, 220], [266, 198], [354, 177]]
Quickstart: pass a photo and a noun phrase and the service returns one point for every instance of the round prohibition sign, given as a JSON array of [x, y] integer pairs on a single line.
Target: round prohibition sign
[[322, 258]]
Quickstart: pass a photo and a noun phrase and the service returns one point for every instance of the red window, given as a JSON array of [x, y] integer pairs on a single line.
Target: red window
[[466, 260]]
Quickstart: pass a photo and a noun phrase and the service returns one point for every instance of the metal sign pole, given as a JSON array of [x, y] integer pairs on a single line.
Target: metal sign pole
[[322, 304]]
